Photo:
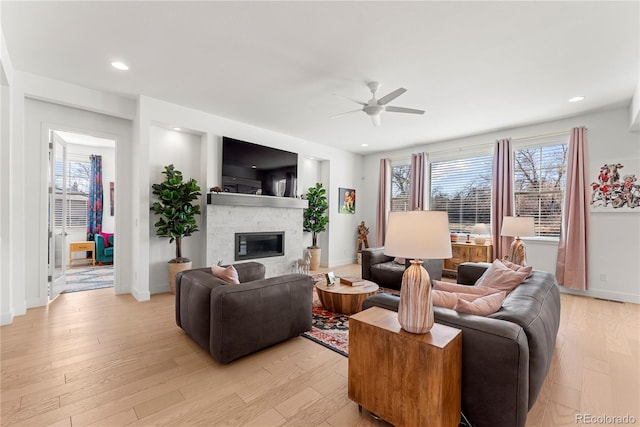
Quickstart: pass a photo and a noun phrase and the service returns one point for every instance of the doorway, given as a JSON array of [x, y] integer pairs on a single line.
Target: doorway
[[81, 228]]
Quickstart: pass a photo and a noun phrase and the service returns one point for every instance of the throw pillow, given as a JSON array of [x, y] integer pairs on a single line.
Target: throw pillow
[[499, 276], [463, 289], [481, 306], [228, 274], [444, 299], [399, 260], [105, 237], [518, 267]]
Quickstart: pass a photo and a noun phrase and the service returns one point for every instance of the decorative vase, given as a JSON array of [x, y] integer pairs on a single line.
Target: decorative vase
[[415, 312], [175, 268], [315, 258]]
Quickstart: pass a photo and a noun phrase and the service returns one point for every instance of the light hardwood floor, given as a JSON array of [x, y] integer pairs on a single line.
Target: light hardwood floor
[[94, 358]]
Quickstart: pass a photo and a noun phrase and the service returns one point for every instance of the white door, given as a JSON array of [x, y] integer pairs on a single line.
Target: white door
[[57, 214]]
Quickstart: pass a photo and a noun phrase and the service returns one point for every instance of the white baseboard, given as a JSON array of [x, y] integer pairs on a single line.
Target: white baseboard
[[159, 288], [608, 295], [141, 296]]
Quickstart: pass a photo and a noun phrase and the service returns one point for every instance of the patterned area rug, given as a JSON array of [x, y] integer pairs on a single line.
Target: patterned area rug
[[88, 278], [328, 328]]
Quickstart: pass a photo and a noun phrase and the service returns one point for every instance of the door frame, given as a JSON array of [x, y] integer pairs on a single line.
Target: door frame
[[45, 128]]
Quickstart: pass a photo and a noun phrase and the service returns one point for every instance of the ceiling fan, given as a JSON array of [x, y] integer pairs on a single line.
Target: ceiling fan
[[374, 106]]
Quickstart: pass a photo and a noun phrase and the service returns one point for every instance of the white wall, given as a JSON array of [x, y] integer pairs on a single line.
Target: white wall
[[12, 196], [6, 85], [40, 116], [614, 250], [184, 151]]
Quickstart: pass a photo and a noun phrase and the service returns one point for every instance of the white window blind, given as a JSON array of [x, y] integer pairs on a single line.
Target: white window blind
[[78, 182], [462, 187], [400, 182], [76, 210], [539, 182]]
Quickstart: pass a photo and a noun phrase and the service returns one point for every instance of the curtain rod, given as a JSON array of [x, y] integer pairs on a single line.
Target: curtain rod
[[544, 135], [491, 144]]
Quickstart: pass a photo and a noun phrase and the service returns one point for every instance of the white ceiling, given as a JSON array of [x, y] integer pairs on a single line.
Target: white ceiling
[[473, 66]]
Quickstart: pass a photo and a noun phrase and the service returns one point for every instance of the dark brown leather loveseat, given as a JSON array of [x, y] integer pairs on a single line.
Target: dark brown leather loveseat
[[231, 321], [384, 271], [506, 355]]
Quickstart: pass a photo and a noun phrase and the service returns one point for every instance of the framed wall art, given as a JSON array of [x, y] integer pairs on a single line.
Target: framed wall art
[[615, 186], [347, 198]]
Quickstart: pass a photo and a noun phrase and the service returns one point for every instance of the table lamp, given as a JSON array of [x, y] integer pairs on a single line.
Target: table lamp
[[480, 230], [417, 235], [517, 226]]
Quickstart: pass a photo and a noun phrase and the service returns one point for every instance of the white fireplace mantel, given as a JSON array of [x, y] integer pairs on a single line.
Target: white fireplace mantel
[[252, 200]]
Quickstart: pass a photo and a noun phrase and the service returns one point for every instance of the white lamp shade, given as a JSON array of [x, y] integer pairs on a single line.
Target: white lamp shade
[[418, 235], [480, 229], [517, 226]]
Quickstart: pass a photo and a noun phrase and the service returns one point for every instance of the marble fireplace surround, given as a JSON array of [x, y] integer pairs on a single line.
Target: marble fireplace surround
[[230, 213]]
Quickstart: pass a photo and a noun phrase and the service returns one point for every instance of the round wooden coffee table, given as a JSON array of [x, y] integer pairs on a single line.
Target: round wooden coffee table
[[345, 299]]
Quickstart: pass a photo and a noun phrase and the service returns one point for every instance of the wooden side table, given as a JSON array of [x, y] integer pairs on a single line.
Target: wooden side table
[[466, 252], [82, 247], [406, 379], [345, 299]]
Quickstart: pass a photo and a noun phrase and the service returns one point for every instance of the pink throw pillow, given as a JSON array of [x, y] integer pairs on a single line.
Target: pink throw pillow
[[463, 289], [105, 237], [444, 299], [501, 277], [518, 267], [228, 274], [399, 260], [481, 306]]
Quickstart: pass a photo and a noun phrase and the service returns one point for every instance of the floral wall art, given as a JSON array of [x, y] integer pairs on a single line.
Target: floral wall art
[[615, 187]]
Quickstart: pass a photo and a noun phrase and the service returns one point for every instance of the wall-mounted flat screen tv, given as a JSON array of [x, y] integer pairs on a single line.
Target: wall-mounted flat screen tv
[[256, 169]]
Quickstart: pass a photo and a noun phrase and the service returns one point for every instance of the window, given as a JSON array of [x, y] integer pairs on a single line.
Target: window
[[539, 181], [462, 188], [400, 183], [78, 182]]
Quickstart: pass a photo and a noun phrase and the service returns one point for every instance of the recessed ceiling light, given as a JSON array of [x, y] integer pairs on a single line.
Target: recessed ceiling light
[[119, 65], [253, 166], [576, 99], [177, 129], [364, 145]]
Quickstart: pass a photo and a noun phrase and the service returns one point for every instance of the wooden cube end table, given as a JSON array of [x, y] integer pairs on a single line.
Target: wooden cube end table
[[405, 378]]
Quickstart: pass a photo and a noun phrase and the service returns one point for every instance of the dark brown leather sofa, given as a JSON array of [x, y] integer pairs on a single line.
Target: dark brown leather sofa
[[231, 321], [506, 355], [382, 270]]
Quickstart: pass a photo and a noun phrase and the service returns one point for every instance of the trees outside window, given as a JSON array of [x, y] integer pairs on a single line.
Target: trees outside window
[[400, 187], [539, 182], [462, 187], [78, 181]]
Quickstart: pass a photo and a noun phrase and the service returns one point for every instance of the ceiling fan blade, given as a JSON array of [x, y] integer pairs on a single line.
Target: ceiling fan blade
[[350, 99], [344, 114], [403, 110], [376, 119], [391, 96]]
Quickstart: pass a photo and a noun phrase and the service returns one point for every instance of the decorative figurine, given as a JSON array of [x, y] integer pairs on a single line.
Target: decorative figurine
[[363, 231]]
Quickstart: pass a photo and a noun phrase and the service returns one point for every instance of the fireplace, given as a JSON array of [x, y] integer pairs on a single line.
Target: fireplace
[[259, 245]]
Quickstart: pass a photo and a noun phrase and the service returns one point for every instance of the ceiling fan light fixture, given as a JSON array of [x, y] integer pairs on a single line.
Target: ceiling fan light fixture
[[374, 107]]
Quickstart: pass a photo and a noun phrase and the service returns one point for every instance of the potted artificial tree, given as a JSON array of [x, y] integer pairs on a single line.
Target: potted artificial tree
[[177, 215], [315, 220]]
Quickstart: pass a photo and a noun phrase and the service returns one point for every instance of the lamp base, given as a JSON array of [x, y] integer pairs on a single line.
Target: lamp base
[[517, 253], [480, 240], [415, 311]]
